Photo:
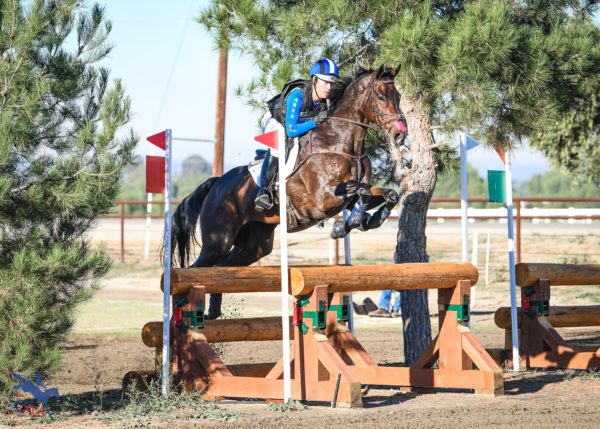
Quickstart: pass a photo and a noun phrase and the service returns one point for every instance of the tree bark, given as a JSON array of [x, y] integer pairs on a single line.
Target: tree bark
[[417, 176]]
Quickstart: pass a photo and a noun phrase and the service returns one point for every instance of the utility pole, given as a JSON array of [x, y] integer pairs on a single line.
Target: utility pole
[[220, 121]]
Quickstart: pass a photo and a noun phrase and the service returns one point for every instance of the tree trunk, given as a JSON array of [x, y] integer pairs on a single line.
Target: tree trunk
[[417, 181]]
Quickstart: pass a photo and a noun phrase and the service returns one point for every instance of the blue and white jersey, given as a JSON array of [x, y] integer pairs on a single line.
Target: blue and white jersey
[[294, 125]]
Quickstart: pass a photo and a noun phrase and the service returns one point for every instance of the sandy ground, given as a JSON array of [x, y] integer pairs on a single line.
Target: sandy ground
[[542, 398]]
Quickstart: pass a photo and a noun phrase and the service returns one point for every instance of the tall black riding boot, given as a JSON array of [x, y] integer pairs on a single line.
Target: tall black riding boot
[[264, 198]]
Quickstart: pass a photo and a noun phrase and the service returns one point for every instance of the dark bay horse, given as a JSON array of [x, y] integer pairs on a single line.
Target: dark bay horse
[[332, 173]]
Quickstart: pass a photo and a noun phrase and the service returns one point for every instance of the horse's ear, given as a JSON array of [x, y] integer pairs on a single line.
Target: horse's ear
[[380, 72], [395, 71]]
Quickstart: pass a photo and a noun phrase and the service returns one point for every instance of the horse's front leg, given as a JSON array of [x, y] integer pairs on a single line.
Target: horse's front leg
[[341, 228], [390, 199]]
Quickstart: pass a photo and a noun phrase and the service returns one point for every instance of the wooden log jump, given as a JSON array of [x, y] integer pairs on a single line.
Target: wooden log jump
[[339, 278], [323, 346], [558, 274], [539, 343], [225, 330], [559, 317]]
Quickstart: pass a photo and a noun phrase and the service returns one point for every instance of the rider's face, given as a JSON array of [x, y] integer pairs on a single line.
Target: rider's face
[[322, 89]]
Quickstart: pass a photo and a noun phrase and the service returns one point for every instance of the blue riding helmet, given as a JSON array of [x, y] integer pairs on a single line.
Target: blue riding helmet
[[325, 69]]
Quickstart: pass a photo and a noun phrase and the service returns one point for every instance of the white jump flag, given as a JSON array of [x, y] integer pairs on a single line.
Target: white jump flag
[[466, 143], [276, 139], [158, 180]]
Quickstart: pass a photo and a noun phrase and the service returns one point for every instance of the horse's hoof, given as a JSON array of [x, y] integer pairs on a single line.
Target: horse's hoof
[[339, 229], [391, 199], [211, 316], [263, 203]]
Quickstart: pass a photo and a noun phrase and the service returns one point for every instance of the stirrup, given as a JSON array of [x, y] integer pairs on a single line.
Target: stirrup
[[263, 202]]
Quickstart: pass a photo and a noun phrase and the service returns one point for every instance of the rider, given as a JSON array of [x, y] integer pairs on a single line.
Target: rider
[[299, 108]]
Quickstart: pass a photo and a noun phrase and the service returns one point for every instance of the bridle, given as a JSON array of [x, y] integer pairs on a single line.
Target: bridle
[[383, 125]]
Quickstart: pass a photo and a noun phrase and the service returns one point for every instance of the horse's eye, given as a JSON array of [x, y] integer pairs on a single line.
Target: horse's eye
[[381, 97]]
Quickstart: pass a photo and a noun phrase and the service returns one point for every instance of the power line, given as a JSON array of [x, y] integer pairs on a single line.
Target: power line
[[188, 139]]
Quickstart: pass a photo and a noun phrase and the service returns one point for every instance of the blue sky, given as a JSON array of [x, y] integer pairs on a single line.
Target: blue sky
[[168, 64]]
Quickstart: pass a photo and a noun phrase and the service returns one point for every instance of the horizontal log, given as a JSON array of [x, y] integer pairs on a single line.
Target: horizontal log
[[438, 275], [226, 279], [226, 330], [558, 274], [560, 316], [339, 278]]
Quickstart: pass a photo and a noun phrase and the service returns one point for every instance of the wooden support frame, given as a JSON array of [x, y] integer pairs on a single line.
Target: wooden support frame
[[324, 349], [543, 347]]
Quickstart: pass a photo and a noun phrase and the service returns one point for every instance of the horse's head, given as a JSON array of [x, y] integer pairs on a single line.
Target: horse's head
[[382, 105]]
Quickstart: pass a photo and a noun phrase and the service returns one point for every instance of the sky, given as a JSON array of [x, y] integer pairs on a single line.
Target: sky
[[168, 65]]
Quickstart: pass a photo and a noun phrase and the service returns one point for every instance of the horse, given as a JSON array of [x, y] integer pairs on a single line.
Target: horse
[[332, 173]]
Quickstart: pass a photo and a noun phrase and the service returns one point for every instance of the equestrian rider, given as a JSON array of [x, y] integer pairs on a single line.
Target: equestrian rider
[[298, 109]]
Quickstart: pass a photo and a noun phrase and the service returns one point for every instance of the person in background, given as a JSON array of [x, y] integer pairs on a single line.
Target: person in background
[[384, 306], [384, 303]]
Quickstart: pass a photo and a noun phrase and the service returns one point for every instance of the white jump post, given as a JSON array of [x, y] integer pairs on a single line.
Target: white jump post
[[274, 137], [348, 261], [283, 242], [156, 184], [465, 143], [511, 265]]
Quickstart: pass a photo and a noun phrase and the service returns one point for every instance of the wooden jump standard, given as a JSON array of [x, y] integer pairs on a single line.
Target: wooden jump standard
[[540, 345], [324, 351]]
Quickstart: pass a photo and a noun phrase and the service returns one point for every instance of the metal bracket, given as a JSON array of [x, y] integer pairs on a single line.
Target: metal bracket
[[343, 310], [196, 317], [319, 318], [462, 310]]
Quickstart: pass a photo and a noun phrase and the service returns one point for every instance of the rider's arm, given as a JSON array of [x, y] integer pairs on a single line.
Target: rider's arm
[[294, 125]]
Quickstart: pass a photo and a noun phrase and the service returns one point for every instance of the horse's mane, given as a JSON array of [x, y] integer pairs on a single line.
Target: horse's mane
[[344, 83]]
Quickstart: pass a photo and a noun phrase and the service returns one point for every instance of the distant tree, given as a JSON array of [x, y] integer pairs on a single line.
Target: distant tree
[[556, 183], [501, 70], [195, 165], [194, 171], [448, 185], [60, 167]]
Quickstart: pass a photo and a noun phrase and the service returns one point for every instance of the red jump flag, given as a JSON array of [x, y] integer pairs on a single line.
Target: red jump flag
[[155, 174], [501, 155], [159, 139], [270, 139]]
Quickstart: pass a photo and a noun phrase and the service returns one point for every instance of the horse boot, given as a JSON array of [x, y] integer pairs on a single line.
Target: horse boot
[[264, 198]]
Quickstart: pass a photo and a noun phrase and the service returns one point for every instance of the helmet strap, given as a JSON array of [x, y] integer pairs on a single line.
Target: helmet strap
[[314, 87]]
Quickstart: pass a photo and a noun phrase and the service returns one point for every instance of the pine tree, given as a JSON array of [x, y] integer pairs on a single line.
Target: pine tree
[[60, 167], [498, 69]]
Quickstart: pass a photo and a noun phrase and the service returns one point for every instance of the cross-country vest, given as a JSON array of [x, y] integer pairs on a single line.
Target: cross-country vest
[[277, 105]]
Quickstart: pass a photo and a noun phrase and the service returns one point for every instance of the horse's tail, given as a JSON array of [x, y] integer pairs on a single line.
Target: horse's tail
[[183, 224]]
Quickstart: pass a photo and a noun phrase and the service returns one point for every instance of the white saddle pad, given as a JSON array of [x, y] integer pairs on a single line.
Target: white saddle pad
[[254, 169]]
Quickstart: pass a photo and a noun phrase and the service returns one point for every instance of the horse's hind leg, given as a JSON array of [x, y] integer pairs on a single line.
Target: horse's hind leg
[[254, 241], [212, 251]]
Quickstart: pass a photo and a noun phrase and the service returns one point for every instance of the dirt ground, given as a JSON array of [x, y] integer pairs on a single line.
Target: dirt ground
[[97, 362]]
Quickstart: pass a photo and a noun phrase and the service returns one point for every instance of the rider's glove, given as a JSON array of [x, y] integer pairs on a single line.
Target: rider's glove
[[320, 117]]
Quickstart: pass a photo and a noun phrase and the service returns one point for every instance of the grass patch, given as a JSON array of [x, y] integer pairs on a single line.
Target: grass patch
[[112, 317], [132, 408], [290, 405], [141, 268]]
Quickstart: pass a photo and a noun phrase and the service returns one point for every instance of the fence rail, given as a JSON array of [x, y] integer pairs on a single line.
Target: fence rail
[[519, 212]]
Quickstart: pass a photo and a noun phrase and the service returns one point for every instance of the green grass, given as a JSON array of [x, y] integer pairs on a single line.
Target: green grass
[[111, 317], [140, 268]]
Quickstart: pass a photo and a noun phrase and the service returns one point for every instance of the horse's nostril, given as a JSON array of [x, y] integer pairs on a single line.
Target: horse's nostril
[[399, 138]]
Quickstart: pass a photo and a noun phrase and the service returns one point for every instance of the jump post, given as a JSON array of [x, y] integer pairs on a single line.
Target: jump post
[[324, 349], [541, 345]]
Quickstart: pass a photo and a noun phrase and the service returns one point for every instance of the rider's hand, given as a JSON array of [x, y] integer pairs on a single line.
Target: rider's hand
[[321, 117]]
